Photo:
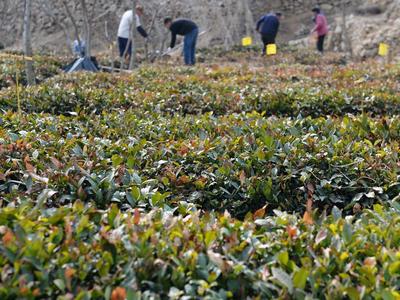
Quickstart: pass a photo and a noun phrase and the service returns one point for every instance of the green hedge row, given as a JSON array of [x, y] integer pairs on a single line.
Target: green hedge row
[[237, 162], [283, 91], [79, 252], [12, 65]]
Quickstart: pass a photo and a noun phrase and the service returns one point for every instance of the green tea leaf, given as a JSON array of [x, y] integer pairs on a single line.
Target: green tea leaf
[[353, 293], [336, 213], [60, 284], [300, 278], [116, 160], [283, 278], [347, 232], [283, 258]]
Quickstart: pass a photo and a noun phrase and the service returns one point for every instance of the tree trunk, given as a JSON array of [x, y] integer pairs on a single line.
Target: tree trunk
[[249, 20], [73, 21], [346, 37], [109, 40], [153, 19], [132, 63], [86, 29], [30, 74], [222, 22], [49, 10]]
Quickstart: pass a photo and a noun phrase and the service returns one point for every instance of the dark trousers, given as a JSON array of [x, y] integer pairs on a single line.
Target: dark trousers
[[267, 40], [124, 47], [189, 47], [320, 43]]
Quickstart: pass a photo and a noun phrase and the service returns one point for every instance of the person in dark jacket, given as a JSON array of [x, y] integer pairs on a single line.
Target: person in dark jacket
[[268, 27], [190, 31]]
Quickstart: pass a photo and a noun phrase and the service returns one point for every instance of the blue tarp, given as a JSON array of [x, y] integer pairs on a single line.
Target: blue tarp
[[82, 64]]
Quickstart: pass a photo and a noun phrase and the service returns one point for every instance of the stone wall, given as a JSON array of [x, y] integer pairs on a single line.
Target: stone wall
[[374, 22]]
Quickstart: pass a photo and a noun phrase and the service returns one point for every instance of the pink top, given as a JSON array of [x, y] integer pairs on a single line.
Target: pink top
[[321, 26]]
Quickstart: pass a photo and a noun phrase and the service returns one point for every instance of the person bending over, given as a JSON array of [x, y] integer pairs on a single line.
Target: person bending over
[[268, 27], [190, 31]]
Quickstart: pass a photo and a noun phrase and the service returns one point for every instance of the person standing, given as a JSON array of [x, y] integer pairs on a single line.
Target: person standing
[[190, 31], [268, 27], [125, 29], [79, 48], [321, 28]]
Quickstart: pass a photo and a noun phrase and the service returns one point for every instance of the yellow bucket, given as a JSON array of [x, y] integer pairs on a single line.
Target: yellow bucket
[[247, 41], [383, 49], [271, 49]]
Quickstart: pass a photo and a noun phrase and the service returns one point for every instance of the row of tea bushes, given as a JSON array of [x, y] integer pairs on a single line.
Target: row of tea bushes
[[286, 91], [79, 252], [238, 162], [12, 64]]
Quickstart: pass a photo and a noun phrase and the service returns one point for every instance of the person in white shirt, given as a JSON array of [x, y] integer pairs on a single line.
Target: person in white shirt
[[125, 28]]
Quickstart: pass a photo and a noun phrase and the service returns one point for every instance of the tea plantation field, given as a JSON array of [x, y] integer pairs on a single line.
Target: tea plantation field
[[240, 178]]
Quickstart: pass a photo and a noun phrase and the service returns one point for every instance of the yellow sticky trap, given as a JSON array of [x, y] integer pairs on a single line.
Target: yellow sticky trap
[[383, 49], [7, 55], [247, 41], [271, 49]]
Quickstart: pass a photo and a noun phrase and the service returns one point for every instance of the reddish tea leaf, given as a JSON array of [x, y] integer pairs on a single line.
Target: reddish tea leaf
[[260, 213], [36, 292], [24, 290], [310, 193], [242, 177], [28, 166], [309, 205], [292, 231], [183, 180], [307, 218], [370, 262], [357, 208], [183, 150], [118, 293], [69, 273], [8, 237], [310, 189], [136, 217], [56, 162]]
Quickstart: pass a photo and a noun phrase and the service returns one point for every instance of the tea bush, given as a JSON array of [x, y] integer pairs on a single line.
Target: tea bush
[[283, 91], [83, 253], [12, 65], [237, 162], [248, 180]]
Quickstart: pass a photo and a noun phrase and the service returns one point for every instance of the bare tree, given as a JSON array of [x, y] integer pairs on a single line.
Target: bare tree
[[27, 41], [4, 6], [73, 21], [86, 28], [132, 63], [110, 42], [49, 10], [249, 19], [345, 31], [8, 8], [150, 31]]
